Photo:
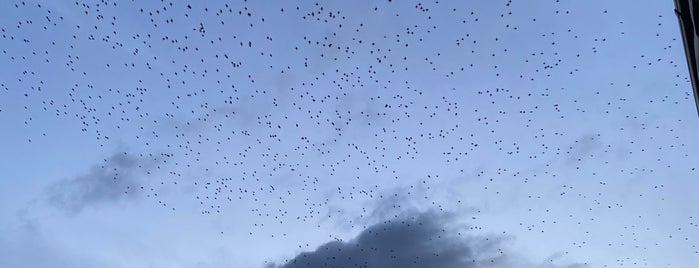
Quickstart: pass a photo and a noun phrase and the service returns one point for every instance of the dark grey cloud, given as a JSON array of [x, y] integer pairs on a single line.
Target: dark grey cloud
[[108, 182], [426, 239]]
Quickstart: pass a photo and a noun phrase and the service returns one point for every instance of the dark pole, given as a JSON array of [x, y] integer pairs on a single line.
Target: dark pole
[[685, 10]]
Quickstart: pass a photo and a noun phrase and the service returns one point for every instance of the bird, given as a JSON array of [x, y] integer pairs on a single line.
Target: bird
[[532, 119]]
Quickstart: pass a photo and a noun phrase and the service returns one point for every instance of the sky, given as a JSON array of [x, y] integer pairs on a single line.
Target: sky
[[541, 134]]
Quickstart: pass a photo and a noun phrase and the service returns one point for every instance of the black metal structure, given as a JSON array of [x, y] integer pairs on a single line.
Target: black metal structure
[[688, 15]]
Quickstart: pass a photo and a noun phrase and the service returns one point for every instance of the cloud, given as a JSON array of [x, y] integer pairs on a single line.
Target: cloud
[[101, 184], [582, 149], [32, 247], [426, 239]]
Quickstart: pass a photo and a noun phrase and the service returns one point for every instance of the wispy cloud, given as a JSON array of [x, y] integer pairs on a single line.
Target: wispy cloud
[[105, 183], [582, 148]]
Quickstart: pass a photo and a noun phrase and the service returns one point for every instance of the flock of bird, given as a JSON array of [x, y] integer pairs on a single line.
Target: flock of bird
[[290, 114]]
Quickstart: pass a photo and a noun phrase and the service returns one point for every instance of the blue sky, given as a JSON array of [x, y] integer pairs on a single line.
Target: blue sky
[[249, 134]]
